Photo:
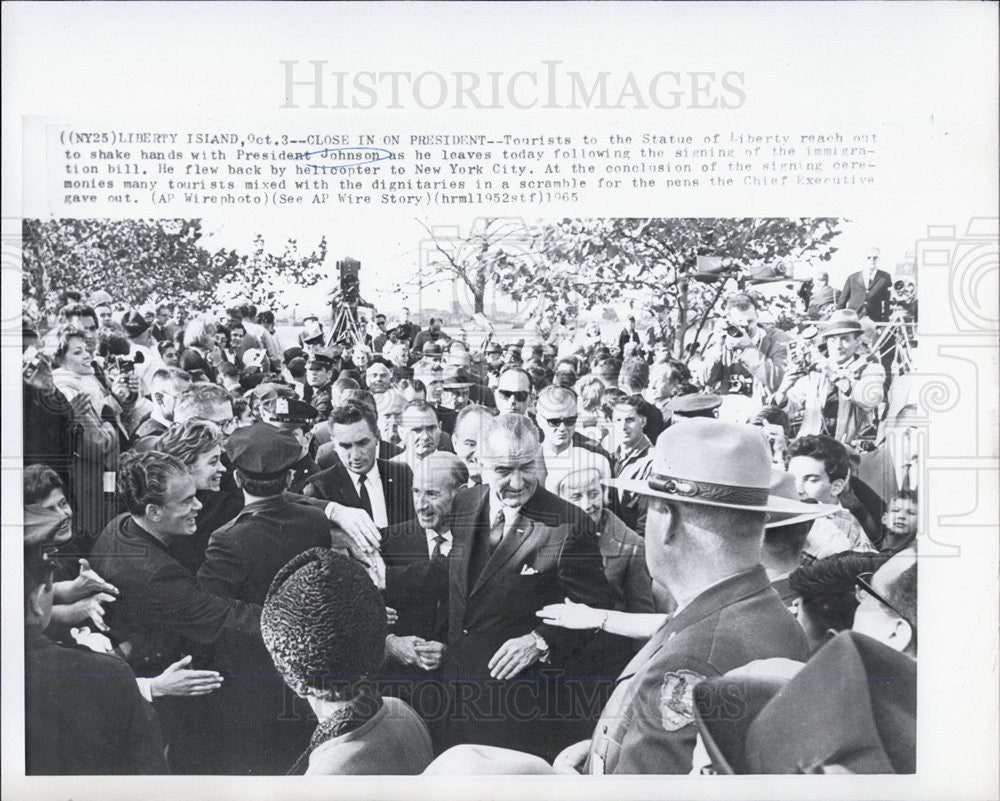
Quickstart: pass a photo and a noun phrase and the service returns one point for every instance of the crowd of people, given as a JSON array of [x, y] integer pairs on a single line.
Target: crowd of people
[[393, 552]]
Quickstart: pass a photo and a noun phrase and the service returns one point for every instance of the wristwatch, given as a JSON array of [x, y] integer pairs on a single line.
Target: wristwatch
[[540, 643]]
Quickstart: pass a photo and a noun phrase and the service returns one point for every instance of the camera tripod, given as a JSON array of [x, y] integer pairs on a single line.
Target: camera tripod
[[345, 326], [895, 338]]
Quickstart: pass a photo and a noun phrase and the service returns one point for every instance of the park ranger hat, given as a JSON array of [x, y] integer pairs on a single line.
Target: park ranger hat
[[783, 485], [134, 323], [713, 463], [850, 709], [313, 332]]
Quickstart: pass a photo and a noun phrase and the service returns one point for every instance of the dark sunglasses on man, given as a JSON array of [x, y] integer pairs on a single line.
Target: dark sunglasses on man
[[555, 422], [520, 395]]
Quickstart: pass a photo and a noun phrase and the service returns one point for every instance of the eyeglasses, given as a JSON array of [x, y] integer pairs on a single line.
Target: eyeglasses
[[555, 422], [863, 584], [520, 396]]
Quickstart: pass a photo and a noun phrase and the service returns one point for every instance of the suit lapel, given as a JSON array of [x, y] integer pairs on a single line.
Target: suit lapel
[[346, 485], [511, 543], [463, 531]]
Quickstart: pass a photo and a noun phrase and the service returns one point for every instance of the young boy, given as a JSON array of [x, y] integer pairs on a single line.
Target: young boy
[[899, 523], [821, 470]]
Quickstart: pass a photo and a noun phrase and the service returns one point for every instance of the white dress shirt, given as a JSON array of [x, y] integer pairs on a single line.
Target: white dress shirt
[[373, 482], [445, 546]]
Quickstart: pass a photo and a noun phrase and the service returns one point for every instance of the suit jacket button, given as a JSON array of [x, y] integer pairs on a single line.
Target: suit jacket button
[[465, 632]]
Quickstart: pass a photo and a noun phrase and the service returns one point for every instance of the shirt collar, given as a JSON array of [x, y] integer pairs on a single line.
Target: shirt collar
[[644, 445], [370, 476], [431, 534]]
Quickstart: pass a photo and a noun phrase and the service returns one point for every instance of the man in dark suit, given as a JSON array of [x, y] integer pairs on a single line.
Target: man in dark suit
[[83, 711], [416, 586], [517, 548], [867, 291], [360, 480], [261, 736], [709, 498], [162, 612]]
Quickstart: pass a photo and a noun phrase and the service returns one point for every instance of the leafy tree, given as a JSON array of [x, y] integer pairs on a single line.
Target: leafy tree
[[612, 261], [491, 248], [259, 277], [136, 260], [151, 261]]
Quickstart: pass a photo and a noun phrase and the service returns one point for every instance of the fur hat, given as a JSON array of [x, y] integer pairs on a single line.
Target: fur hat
[[323, 623]]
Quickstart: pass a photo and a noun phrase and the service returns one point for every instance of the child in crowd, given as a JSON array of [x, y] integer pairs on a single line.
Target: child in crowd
[[899, 523]]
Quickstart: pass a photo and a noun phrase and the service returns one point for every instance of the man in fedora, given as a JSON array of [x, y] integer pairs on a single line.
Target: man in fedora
[[840, 395], [867, 291], [709, 499]]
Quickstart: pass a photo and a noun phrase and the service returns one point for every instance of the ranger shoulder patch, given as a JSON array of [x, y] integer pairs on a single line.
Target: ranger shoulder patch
[[677, 698]]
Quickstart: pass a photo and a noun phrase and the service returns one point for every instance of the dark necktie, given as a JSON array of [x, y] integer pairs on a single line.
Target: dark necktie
[[366, 501], [496, 531], [905, 486], [438, 542]]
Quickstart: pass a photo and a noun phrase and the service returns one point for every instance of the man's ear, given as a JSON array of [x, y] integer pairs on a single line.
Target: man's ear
[[34, 606], [672, 520], [901, 634], [238, 479], [837, 486]]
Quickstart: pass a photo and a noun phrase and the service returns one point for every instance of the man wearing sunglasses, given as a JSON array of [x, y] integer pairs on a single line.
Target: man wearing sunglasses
[[513, 391], [556, 418]]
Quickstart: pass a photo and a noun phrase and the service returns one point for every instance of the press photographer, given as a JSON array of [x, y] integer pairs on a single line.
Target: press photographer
[[744, 358], [837, 393]]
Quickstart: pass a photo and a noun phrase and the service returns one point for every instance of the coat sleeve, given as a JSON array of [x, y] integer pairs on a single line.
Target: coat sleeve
[[581, 578], [142, 737], [638, 584], [175, 601], [662, 735], [844, 295], [223, 572]]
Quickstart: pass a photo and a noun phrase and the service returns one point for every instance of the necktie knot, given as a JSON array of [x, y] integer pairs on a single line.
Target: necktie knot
[[497, 530]]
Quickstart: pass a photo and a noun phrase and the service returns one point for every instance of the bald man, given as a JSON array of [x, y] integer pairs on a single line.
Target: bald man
[[416, 585]]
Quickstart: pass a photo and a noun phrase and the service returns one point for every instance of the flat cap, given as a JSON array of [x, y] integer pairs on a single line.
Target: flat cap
[[263, 450]]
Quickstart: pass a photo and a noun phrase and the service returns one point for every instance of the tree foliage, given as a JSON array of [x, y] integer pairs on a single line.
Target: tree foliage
[[655, 263], [472, 262], [257, 278], [150, 261]]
